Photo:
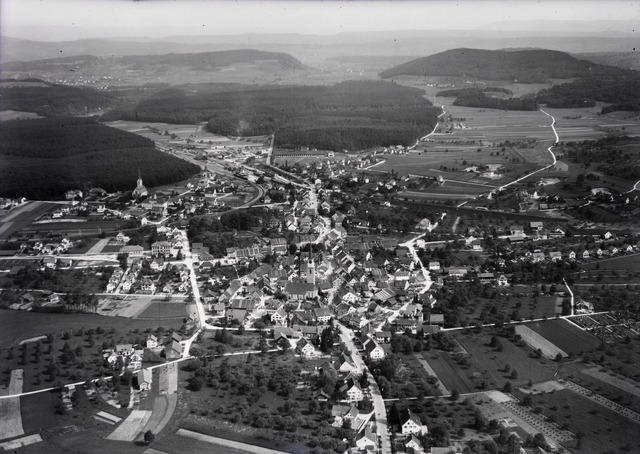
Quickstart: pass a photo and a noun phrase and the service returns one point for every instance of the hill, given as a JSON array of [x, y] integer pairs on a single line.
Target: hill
[[175, 68], [33, 95], [43, 158], [525, 66], [351, 115]]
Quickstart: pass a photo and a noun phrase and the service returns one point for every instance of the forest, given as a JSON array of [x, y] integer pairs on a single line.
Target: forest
[[523, 66], [349, 115], [622, 91], [55, 100], [477, 97], [57, 154]]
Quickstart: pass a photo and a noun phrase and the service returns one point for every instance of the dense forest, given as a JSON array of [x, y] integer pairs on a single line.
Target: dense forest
[[477, 97], [54, 155], [622, 90], [524, 66], [349, 115], [55, 100]]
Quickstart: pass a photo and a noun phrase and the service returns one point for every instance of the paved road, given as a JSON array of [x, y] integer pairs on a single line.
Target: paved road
[[376, 396]]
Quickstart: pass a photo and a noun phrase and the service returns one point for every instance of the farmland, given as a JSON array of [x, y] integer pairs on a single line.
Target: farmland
[[603, 429], [566, 336], [488, 365]]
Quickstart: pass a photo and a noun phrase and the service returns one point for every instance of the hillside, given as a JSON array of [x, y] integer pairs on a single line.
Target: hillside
[[525, 66], [351, 115], [54, 155], [173, 68]]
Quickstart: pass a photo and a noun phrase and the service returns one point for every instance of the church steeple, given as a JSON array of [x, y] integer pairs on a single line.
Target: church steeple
[[139, 182], [311, 269]]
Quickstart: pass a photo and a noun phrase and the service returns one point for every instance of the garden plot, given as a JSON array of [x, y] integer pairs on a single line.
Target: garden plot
[[536, 341]]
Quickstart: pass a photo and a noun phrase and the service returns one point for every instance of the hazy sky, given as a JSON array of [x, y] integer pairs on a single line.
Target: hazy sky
[[75, 19]]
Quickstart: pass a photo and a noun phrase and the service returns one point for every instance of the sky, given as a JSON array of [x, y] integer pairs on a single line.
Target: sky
[[57, 20]]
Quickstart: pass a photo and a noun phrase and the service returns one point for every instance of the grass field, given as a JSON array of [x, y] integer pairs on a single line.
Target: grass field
[[162, 310], [622, 262], [486, 364], [566, 336], [603, 429], [17, 325]]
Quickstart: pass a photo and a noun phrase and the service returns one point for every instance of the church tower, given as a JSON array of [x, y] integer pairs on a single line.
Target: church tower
[[311, 269], [140, 190]]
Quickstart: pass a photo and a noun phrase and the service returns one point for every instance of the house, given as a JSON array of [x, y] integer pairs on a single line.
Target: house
[[173, 350], [436, 319], [434, 266], [585, 254], [373, 350], [503, 281], [49, 262], [132, 250], [554, 256], [516, 230], [412, 442], [411, 423], [322, 314], [305, 348], [353, 390], [161, 248], [144, 379], [383, 336], [366, 440], [457, 271], [152, 341], [536, 225], [572, 255], [279, 317], [345, 364]]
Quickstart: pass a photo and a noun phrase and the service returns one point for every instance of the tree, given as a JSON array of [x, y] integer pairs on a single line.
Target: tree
[[514, 374], [507, 388], [455, 394], [149, 437]]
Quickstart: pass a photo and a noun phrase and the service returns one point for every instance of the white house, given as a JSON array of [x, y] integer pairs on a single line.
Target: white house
[[411, 423], [374, 351]]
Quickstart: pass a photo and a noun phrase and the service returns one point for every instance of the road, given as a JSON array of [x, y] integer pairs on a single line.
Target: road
[[376, 396], [550, 149]]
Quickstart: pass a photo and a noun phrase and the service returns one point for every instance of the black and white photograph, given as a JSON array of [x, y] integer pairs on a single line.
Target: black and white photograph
[[319, 227]]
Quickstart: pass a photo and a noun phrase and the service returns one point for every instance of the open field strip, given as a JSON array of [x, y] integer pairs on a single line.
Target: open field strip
[[23, 209], [10, 415], [627, 385], [20, 442], [5, 226], [536, 341], [228, 443], [608, 403], [431, 372], [131, 427]]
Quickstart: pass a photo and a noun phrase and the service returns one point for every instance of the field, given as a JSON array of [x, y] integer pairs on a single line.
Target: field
[[16, 325], [162, 310], [603, 429], [621, 263], [566, 336], [488, 365], [448, 372], [22, 216]]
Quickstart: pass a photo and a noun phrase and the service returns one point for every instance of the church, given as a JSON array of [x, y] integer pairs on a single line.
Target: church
[[140, 190]]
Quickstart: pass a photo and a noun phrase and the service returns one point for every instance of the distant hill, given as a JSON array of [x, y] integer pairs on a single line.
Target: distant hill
[[254, 65], [525, 66], [626, 60]]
